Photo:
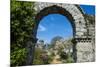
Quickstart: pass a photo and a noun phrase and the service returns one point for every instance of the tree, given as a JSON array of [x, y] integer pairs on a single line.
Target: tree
[[68, 44], [22, 23], [56, 38], [41, 42]]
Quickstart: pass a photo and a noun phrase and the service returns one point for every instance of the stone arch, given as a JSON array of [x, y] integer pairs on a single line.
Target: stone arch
[[55, 10], [72, 12], [76, 16]]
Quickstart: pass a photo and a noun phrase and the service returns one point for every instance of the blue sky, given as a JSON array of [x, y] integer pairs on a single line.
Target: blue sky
[[88, 9], [58, 25]]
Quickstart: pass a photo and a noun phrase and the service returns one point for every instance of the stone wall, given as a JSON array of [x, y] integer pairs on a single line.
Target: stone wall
[[85, 46], [85, 52]]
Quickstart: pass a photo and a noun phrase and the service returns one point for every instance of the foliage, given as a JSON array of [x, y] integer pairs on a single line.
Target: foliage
[[41, 57], [50, 58], [37, 62], [18, 57], [52, 54], [22, 23], [69, 58], [63, 55], [37, 57], [56, 38]]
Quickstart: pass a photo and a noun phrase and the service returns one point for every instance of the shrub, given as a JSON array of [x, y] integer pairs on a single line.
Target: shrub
[[22, 23]]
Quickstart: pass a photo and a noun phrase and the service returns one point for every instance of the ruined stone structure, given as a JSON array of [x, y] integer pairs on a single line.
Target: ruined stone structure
[[83, 49]]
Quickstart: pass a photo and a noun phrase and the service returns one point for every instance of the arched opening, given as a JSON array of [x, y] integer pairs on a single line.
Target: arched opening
[[54, 25], [55, 10], [54, 35], [63, 12]]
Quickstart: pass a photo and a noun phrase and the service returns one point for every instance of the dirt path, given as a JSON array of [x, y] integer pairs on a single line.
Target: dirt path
[[56, 60]]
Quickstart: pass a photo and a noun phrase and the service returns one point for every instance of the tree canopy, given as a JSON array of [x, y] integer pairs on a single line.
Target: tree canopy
[[22, 23]]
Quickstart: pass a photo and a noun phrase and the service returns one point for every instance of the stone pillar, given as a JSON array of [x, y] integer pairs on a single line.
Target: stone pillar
[[30, 51], [74, 50], [85, 49]]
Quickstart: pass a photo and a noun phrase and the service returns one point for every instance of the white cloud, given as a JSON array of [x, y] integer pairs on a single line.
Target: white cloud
[[41, 28]]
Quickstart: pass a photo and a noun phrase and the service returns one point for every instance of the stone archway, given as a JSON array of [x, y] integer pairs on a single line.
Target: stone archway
[[76, 16], [72, 12]]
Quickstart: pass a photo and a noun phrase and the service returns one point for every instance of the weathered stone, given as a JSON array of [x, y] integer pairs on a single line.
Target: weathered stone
[[84, 32], [72, 9]]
